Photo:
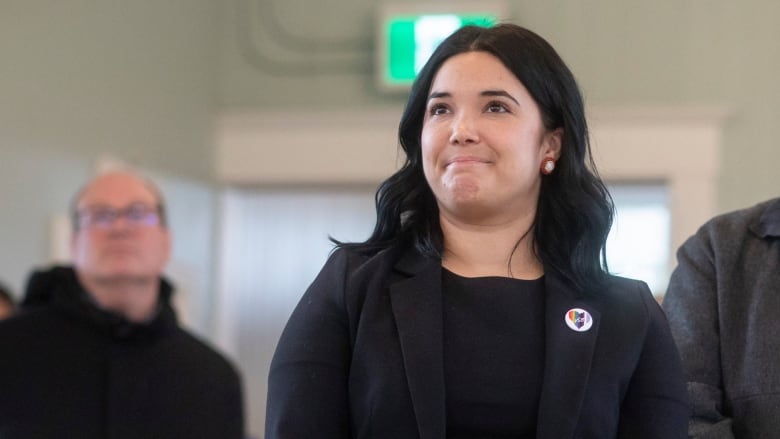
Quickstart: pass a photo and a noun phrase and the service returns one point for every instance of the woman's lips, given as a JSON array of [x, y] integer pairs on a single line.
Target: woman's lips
[[466, 160]]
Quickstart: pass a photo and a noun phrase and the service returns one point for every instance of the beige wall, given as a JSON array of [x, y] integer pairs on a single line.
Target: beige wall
[[624, 53], [82, 80]]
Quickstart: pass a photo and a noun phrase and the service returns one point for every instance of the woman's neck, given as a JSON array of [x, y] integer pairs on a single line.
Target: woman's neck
[[503, 249]]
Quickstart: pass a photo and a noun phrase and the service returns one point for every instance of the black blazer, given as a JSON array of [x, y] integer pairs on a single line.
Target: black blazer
[[361, 357]]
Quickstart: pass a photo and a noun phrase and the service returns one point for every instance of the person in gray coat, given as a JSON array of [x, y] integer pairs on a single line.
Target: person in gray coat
[[723, 305]]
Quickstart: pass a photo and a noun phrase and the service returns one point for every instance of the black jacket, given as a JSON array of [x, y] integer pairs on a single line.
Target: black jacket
[[70, 369], [361, 357]]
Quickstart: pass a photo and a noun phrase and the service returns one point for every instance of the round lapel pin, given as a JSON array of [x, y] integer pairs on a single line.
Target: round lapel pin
[[577, 319]]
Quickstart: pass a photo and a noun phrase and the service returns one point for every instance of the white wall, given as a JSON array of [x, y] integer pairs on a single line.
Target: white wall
[[82, 80]]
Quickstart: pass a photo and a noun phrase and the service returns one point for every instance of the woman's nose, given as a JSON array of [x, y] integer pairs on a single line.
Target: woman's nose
[[464, 130]]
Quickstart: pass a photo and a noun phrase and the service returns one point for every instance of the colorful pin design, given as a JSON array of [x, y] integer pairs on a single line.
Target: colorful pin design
[[578, 319]]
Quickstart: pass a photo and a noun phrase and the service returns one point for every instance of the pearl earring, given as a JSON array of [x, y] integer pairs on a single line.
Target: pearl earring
[[548, 165]]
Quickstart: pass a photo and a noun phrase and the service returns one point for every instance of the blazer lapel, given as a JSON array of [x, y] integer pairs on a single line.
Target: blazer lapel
[[417, 308], [568, 356]]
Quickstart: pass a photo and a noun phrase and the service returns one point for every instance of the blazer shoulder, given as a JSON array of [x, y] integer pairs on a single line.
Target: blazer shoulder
[[350, 274], [629, 312], [628, 297], [622, 288], [357, 265]]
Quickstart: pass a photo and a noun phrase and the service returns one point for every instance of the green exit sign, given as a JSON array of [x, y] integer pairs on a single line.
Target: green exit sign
[[407, 40]]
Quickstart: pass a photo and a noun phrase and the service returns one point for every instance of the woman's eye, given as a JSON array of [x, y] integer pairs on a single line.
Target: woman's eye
[[496, 107], [438, 109]]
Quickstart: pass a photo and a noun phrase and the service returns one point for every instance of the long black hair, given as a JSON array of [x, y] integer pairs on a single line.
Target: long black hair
[[574, 212]]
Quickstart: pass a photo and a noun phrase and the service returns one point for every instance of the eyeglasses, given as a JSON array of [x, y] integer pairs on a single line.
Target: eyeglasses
[[103, 217]]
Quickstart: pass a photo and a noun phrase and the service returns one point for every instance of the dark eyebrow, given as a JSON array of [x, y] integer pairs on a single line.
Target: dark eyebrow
[[440, 94], [499, 93], [444, 94]]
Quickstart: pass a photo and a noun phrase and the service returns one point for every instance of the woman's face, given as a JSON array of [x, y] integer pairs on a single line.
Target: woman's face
[[483, 141]]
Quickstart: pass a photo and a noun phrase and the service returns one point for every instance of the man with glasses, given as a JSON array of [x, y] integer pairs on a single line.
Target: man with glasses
[[96, 351]]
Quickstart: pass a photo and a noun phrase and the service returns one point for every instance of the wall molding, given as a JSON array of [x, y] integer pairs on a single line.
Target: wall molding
[[680, 145]]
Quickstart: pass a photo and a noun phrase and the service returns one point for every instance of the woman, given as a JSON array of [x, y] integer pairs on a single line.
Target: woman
[[480, 306]]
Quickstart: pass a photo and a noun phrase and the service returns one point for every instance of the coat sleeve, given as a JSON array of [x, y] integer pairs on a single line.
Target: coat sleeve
[[656, 404], [691, 305], [307, 383], [231, 410]]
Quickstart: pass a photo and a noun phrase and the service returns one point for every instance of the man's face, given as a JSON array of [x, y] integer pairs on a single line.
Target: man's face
[[119, 234]]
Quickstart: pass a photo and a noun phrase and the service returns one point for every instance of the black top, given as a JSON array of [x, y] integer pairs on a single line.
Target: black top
[[362, 357], [493, 355]]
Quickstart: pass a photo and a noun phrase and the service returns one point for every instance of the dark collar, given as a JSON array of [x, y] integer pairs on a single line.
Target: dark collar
[[59, 288], [768, 224], [411, 263]]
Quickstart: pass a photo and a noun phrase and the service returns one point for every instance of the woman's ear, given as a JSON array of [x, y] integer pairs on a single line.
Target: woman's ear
[[553, 141]]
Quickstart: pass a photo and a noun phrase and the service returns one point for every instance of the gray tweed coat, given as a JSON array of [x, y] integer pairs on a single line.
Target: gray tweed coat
[[723, 305]]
